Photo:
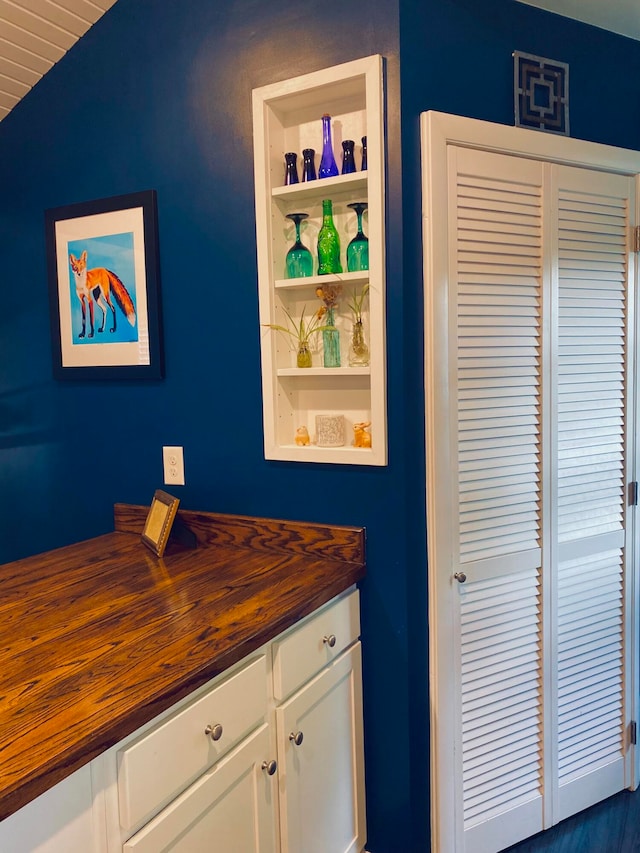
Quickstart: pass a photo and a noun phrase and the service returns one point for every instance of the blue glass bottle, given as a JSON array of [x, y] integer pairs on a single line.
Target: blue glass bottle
[[348, 160], [308, 165], [291, 168], [328, 166]]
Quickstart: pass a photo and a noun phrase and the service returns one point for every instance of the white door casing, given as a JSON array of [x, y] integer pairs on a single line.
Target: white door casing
[[529, 314]]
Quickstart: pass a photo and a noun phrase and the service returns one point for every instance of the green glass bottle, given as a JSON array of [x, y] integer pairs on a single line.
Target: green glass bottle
[[328, 242]]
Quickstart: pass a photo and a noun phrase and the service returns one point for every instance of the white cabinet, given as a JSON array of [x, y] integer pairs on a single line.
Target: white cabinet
[[59, 821], [287, 117], [221, 765], [321, 762]]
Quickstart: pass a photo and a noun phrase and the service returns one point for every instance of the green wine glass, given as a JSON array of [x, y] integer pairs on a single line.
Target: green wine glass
[[299, 260], [358, 248]]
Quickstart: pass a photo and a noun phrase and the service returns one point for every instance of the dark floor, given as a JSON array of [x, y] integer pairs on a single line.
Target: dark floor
[[612, 826]]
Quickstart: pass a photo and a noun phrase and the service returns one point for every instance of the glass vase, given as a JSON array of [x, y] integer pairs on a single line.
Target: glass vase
[[290, 169], [328, 242], [303, 356], [348, 160], [331, 341], [309, 164], [299, 260], [358, 248], [364, 154], [328, 166], [358, 349]]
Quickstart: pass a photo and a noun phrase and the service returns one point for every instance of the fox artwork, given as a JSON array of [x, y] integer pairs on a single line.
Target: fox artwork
[[98, 286]]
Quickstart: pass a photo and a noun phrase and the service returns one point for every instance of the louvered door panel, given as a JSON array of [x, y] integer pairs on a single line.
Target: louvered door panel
[[501, 707], [498, 252], [593, 237], [496, 409], [592, 268]]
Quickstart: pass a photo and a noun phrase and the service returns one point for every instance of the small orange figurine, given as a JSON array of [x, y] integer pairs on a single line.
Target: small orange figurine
[[360, 437], [302, 436]]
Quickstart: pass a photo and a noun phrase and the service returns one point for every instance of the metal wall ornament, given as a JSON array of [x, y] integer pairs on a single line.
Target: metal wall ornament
[[541, 93]]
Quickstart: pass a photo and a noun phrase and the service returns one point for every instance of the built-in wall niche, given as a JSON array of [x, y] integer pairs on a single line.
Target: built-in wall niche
[[288, 118]]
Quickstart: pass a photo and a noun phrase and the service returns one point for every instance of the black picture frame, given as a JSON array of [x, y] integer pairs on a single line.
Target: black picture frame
[[97, 331]]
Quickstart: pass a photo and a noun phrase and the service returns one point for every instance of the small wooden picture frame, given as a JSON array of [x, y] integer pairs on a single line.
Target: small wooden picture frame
[[159, 521]]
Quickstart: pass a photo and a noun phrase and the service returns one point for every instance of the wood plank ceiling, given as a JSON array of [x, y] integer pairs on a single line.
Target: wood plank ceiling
[[34, 35]]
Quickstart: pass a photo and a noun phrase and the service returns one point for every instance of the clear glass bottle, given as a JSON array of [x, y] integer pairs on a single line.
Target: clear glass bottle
[[328, 242], [328, 166], [331, 341]]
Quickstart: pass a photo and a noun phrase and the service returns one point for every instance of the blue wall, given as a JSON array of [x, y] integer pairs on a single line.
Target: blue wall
[[159, 96]]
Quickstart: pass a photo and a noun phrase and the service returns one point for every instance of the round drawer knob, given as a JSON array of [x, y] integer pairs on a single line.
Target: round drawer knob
[[296, 737], [214, 731], [330, 640], [270, 766], [460, 577]]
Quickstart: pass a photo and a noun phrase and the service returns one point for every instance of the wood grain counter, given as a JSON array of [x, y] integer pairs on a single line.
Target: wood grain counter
[[99, 637]]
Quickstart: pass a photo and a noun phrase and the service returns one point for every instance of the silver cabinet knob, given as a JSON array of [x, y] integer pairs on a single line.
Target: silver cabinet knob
[[330, 640], [270, 766], [215, 731], [460, 577], [296, 737]]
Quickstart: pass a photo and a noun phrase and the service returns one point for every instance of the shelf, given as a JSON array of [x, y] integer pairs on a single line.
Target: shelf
[[321, 187], [287, 117], [353, 278], [332, 372]]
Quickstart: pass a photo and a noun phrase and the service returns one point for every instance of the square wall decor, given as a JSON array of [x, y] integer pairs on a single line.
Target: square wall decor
[[541, 93]]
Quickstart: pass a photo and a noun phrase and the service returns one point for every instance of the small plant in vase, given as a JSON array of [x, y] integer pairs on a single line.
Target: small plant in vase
[[329, 294], [358, 349], [301, 332]]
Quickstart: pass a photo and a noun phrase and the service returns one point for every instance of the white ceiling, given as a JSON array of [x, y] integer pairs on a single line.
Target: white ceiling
[[35, 34], [618, 16]]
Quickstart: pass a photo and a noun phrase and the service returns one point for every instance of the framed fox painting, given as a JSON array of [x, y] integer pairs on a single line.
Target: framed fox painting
[[104, 289]]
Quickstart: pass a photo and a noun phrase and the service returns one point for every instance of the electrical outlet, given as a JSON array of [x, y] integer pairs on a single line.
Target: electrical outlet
[[173, 460]]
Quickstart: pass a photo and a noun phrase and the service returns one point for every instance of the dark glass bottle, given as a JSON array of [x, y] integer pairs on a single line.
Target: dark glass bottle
[[291, 169], [328, 166], [364, 153], [328, 242], [348, 160], [309, 165]]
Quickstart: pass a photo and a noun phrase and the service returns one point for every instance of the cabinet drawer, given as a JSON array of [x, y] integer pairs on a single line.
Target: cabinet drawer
[[230, 808], [164, 761], [300, 654]]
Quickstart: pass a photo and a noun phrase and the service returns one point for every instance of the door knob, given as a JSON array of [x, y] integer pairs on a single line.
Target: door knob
[[270, 766], [460, 577], [296, 737]]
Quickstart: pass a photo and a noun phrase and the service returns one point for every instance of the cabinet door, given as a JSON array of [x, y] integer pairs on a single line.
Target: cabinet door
[[230, 809], [322, 777]]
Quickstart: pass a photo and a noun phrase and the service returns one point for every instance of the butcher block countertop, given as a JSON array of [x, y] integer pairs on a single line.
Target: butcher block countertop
[[99, 637]]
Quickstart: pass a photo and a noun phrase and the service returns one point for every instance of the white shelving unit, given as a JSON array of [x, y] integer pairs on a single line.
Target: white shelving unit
[[287, 116]]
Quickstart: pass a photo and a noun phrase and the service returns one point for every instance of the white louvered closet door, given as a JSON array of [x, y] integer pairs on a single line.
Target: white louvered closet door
[[527, 535]]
